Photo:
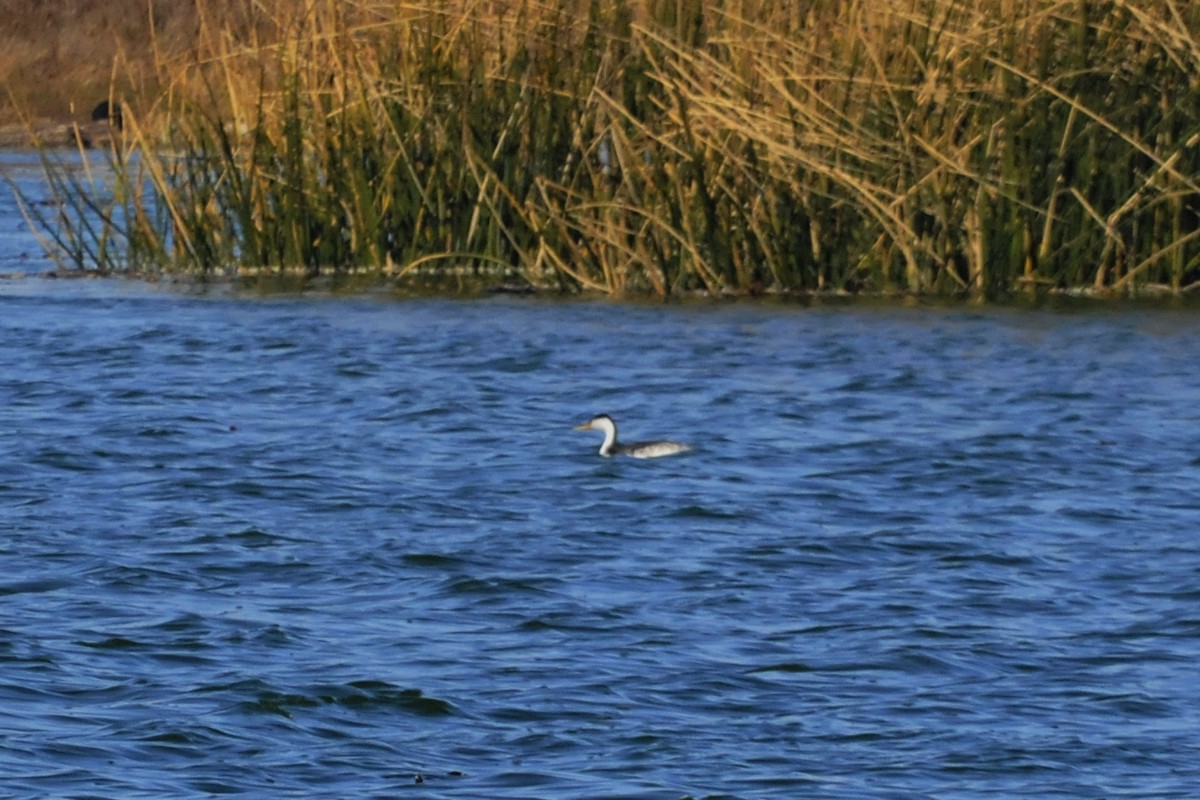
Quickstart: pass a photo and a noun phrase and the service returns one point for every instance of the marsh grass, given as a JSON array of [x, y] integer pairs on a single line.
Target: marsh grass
[[665, 146]]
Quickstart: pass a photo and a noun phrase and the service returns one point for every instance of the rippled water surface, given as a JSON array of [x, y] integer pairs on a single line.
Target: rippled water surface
[[338, 547]]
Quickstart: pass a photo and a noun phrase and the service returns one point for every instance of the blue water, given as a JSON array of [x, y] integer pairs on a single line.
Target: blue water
[[351, 547]]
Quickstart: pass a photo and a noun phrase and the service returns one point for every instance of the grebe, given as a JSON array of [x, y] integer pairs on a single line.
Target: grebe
[[611, 447]]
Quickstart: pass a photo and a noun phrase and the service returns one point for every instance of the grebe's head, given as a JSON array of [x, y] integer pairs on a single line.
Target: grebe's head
[[600, 422]]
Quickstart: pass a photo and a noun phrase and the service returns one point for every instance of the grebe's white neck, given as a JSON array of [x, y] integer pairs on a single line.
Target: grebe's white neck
[[603, 422]]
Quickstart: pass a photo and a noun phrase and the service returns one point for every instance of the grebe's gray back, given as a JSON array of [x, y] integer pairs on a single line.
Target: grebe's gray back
[[611, 447]]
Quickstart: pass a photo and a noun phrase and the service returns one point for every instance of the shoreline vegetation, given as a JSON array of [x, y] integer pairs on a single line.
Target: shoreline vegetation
[[59, 60], [652, 147]]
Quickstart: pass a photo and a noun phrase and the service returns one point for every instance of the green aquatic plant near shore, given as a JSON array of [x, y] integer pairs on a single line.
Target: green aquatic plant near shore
[[668, 146]]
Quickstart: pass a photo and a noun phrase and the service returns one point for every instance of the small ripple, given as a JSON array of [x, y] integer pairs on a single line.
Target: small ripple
[[499, 587], [364, 696], [708, 512], [34, 586], [439, 561], [113, 643]]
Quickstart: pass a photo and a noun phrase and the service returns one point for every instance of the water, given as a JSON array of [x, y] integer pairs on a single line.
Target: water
[[339, 547]]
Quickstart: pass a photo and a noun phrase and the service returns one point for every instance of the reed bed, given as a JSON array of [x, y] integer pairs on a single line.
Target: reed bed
[[664, 146]]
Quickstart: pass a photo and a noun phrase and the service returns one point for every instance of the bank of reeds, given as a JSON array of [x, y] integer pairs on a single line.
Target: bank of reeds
[[667, 146]]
